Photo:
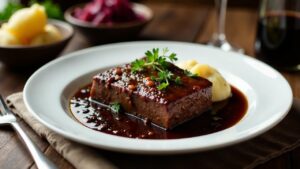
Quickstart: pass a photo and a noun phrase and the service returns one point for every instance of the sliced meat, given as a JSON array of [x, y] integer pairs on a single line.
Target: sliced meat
[[138, 95]]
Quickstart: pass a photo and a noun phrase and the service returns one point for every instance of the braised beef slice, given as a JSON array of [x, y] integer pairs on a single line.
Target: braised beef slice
[[138, 95]]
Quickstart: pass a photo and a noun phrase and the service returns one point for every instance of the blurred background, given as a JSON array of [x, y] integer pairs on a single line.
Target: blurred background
[[176, 21], [66, 3]]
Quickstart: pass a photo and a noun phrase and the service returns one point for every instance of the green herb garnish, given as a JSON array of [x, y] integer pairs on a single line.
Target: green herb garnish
[[9, 10], [52, 9], [115, 107], [163, 86], [159, 63], [137, 65], [190, 74], [178, 80]]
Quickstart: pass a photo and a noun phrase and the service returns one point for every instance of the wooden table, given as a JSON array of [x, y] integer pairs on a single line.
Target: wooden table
[[188, 22]]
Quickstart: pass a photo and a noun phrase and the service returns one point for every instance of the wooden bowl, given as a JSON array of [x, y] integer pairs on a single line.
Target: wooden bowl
[[110, 33], [19, 57]]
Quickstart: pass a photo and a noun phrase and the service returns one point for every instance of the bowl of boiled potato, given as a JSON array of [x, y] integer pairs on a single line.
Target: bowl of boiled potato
[[29, 39]]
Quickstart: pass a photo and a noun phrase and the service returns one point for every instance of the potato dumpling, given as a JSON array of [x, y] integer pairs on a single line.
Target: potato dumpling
[[7, 38], [27, 23], [50, 35], [221, 89]]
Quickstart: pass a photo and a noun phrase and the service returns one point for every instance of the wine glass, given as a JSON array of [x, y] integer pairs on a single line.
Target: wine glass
[[219, 37]]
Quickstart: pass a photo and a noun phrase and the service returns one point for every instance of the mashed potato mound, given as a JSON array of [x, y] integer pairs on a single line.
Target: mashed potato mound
[[221, 89]]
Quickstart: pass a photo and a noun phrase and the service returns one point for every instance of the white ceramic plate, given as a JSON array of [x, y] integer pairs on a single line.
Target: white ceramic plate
[[48, 90]]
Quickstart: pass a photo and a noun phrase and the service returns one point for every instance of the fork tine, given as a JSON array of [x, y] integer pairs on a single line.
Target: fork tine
[[3, 107]]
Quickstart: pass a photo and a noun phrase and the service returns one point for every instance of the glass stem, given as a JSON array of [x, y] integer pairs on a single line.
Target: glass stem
[[221, 6]]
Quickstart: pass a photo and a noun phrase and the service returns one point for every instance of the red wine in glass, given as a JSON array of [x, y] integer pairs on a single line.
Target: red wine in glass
[[278, 39]]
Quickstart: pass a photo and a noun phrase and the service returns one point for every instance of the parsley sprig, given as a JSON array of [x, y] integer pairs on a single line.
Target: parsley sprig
[[115, 107], [158, 62], [190, 74]]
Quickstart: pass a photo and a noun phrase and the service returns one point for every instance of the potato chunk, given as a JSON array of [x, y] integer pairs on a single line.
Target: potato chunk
[[7, 38], [50, 35], [27, 23]]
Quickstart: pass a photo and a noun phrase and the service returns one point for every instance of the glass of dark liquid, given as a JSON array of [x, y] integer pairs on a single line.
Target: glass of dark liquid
[[278, 34]]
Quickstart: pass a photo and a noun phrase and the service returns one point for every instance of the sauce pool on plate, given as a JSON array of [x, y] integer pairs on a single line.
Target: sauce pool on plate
[[98, 117]]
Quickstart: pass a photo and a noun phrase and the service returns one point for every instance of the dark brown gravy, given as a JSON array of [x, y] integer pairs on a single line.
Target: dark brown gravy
[[222, 115]]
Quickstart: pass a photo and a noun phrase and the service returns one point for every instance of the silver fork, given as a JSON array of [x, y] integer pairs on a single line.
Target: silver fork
[[7, 117]]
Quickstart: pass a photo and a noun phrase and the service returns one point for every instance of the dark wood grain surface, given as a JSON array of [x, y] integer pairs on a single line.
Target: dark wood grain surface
[[189, 22]]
